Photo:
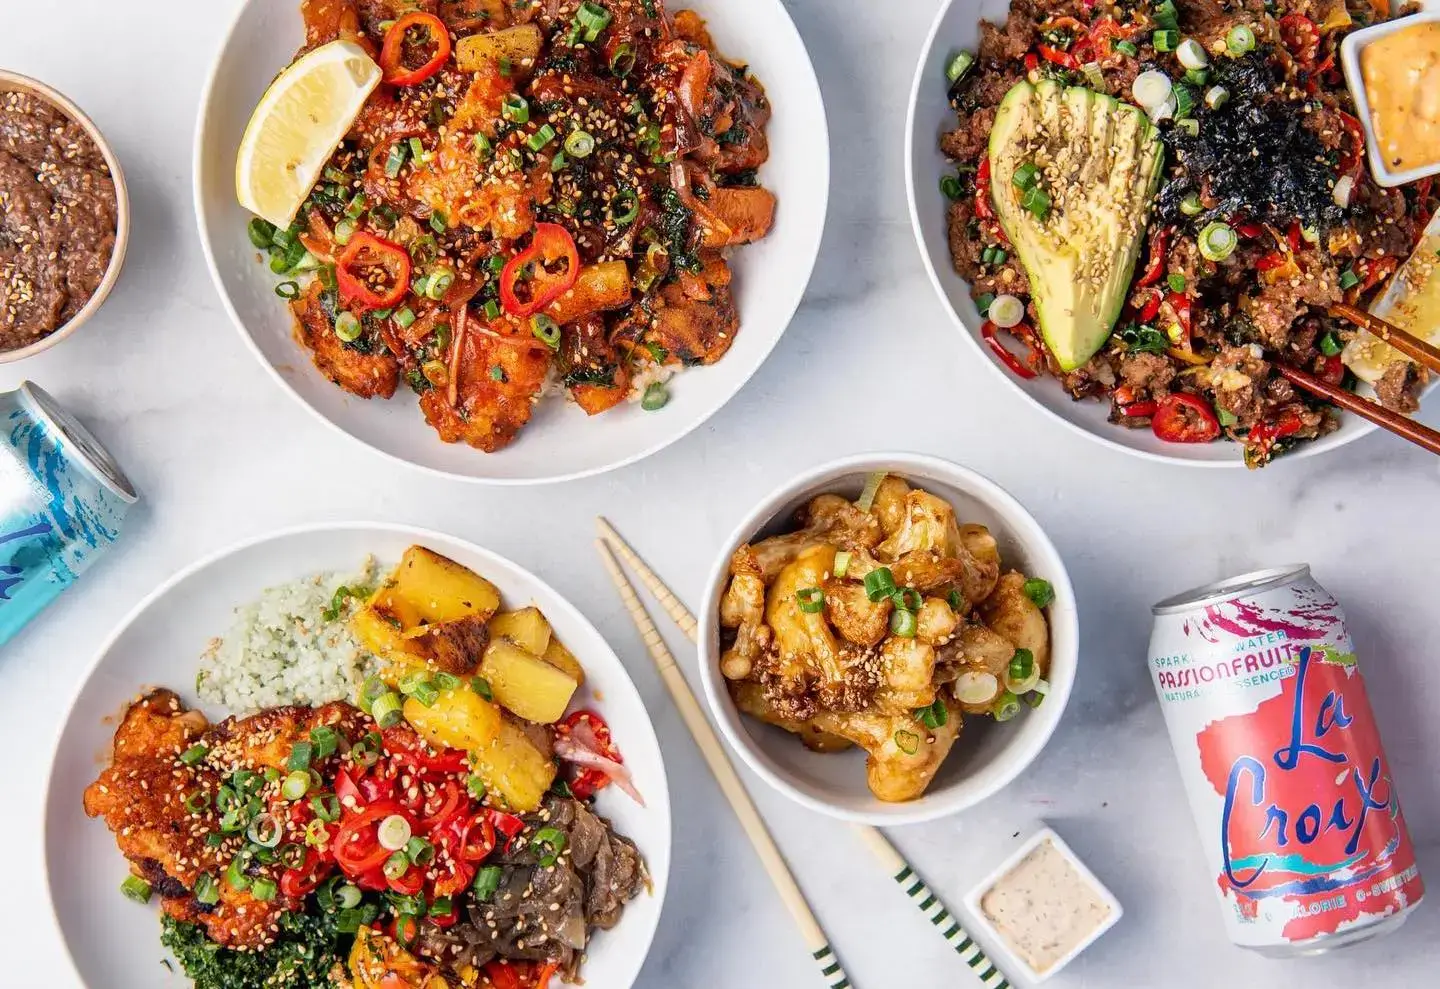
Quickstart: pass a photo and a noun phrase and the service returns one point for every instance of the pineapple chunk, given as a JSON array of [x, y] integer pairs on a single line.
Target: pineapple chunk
[[558, 656], [459, 719], [514, 769], [527, 628], [438, 589], [526, 684]]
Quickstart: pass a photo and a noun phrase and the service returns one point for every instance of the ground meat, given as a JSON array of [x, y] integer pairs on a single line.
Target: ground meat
[[1381, 222], [969, 141], [1399, 388], [1237, 378], [964, 248], [1275, 309], [57, 227], [1093, 379], [1186, 261], [1010, 41], [1147, 372]]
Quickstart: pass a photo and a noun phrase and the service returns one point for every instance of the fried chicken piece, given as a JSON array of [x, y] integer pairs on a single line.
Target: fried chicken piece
[[365, 375], [501, 375], [904, 755], [750, 699]]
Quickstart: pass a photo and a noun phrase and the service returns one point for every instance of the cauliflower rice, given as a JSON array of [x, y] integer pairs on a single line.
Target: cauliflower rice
[[281, 649]]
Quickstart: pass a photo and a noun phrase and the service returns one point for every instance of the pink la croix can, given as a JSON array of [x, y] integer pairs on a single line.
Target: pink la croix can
[[1283, 764]]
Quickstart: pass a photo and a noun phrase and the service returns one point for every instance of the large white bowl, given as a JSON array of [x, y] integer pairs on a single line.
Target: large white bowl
[[114, 943], [560, 443], [988, 755], [958, 27]]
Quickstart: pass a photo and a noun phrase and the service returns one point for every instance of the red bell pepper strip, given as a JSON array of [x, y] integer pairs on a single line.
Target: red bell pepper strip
[[983, 207], [1155, 266], [1354, 158], [1139, 410], [1179, 302], [1260, 441], [1271, 261], [372, 273], [550, 245], [1333, 370], [1152, 305], [1032, 62], [392, 52], [988, 334], [1250, 230], [1057, 57], [1185, 418]]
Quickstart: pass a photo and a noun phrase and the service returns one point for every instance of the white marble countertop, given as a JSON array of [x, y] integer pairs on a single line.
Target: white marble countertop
[[221, 453]]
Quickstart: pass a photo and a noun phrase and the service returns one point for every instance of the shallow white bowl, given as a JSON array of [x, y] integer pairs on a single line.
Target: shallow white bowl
[[561, 442], [958, 27], [115, 943], [987, 756]]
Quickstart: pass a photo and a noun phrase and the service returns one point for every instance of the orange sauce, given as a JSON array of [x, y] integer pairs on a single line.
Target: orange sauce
[[1402, 81]]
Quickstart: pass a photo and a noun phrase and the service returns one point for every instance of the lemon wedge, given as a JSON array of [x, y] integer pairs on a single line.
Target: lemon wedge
[[1412, 302], [299, 123]]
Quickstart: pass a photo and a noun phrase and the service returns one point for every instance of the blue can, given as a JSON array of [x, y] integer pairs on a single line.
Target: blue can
[[63, 501]]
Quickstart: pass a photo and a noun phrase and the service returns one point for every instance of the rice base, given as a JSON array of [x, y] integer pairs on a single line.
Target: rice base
[[281, 650]]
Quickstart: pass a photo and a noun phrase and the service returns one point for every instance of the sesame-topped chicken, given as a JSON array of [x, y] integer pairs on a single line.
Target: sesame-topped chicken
[[877, 623], [534, 192]]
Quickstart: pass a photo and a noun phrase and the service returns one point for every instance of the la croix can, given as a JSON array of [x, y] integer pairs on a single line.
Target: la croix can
[[1282, 761], [63, 501]]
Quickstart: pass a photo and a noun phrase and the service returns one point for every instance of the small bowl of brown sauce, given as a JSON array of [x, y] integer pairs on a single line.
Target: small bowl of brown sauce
[[64, 217], [1393, 71]]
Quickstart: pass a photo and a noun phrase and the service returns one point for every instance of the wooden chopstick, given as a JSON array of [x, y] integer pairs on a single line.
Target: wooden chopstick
[[900, 870], [1397, 423], [730, 784], [1411, 346]]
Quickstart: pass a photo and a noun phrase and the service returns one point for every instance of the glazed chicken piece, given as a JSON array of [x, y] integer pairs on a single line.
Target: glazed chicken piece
[[144, 795], [500, 376], [904, 755], [365, 375]]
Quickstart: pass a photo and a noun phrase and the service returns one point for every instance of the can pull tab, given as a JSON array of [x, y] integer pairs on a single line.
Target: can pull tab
[[83, 445]]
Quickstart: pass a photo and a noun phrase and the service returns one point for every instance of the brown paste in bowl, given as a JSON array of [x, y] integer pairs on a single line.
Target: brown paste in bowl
[[57, 218]]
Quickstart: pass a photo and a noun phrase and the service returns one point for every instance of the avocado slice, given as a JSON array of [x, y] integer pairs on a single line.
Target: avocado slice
[[1100, 163]]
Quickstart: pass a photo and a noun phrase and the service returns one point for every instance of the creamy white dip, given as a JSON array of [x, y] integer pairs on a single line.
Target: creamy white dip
[[1044, 907]]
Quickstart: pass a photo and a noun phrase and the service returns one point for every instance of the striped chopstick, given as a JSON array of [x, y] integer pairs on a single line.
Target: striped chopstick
[[935, 911], [901, 871], [724, 773]]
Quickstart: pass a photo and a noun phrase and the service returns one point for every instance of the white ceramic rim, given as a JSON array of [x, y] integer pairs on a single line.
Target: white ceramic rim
[[933, 805], [15, 80], [1350, 50], [812, 249], [1354, 426], [1002, 947], [660, 881]]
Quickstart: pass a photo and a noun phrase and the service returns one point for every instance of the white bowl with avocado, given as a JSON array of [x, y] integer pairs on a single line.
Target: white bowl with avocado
[[957, 29]]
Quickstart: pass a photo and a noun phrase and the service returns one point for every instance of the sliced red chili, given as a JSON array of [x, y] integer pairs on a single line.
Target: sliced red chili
[[1185, 418], [1333, 369], [372, 273], [1302, 37], [983, 207], [412, 882], [357, 844], [1250, 230], [1155, 266], [1271, 261], [477, 837], [1139, 410], [1152, 305], [1032, 62], [545, 271], [502, 975], [989, 332], [1180, 304], [1057, 57], [398, 44]]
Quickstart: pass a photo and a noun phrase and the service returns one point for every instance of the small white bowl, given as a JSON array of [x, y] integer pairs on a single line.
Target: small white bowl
[[1350, 50], [987, 756], [1001, 947]]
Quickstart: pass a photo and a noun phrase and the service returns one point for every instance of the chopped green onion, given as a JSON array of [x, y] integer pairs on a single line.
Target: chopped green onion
[[1022, 666], [1166, 15], [903, 623], [315, 834], [417, 149], [207, 890], [907, 742], [842, 563], [347, 327], [631, 203], [438, 223], [491, 310], [262, 233], [344, 230], [1094, 75], [1192, 54], [263, 889], [443, 906], [324, 739], [622, 61], [386, 709], [136, 889], [235, 876], [487, 881], [1034, 699], [419, 851], [960, 63], [1184, 101], [348, 897], [397, 865], [956, 600], [1240, 40], [656, 397], [540, 138], [934, 716], [950, 187], [356, 207], [1197, 77], [194, 755], [579, 143], [866, 501], [984, 303], [550, 842], [1348, 279], [326, 807], [1040, 591], [1007, 311], [879, 583], [1226, 417], [1026, 176], [481, 686], [264, 830], [1006, 706], [426, 693], [515, 109], [1330, 345], [394, 832], [445, 681], [438, 283], [1127, 48], [546, 330], [395, 160], [1189, 126], [593, 18], [475, 786], [907, 599], [197, 801], [300, 756], [1191, 205], [1166, 41], [483, 147], [296, 785], [404, 318], [1037, 201], [811, 600], [1218, 241]]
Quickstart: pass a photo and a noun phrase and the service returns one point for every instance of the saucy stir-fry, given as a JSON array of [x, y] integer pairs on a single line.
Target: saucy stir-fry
[[536, 193]]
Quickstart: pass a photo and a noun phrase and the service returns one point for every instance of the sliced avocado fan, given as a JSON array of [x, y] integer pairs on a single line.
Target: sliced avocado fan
[[1073, 176]]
